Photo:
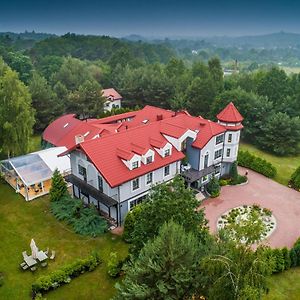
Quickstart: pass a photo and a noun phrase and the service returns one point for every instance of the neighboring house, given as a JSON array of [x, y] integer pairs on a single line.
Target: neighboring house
[[115, 169], [113, 99]]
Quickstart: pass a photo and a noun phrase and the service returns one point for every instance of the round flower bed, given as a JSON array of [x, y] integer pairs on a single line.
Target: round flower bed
[[240, 214]]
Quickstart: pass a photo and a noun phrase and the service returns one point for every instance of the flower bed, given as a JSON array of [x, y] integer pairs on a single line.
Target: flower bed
[[240, 214]]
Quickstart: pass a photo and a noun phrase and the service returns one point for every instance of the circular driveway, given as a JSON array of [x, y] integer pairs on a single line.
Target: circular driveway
[[284, 202]]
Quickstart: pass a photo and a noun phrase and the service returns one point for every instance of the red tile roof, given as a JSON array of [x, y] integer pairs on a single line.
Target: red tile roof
[[230, 114], [111, 94], [105, 153], [122, 140], [59, 129]]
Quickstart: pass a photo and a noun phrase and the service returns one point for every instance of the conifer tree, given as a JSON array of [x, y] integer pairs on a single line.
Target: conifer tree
[[58, 187]]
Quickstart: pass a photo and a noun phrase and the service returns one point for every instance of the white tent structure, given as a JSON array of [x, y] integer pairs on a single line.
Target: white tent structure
[[30, 174]]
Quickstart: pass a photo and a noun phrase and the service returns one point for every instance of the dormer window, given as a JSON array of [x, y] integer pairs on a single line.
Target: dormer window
[[135, 165], [149, 160], [167, 152]]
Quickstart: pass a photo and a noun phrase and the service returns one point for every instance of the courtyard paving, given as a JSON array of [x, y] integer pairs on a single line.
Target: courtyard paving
[[284, 202]]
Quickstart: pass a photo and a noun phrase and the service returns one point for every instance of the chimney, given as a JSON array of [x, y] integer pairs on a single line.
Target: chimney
[[79, 138], [159, 117]]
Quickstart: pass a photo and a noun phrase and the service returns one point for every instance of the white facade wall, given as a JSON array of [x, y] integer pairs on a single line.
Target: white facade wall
[[108, 105], [92, 174], [126, 191], [210, 148], [231, 148]]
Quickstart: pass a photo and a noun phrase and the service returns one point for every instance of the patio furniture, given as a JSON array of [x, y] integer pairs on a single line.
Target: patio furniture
[[23, 264], [47, 251], [32, 269], [44, 264], [52, 255], [41, 256], [24, 253], [30, 261], [25, 267]]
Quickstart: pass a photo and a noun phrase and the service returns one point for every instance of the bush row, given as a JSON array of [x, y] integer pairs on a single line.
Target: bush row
[[65, 274], [248, 160], [284, 258]]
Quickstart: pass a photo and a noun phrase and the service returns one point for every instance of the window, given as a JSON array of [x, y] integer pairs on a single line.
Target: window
[[229, 137], [228, 152], [149, 160], [135, 184], [206, 160], [100, 183], [135, 165], [167, 170], [167, 152], [149, 178], [204, 178], [82, 171], [218, 153], [217, 169], [135, 202], [219, 139]]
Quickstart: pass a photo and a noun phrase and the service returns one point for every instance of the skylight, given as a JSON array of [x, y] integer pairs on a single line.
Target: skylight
[[66, 125], [86, 134]]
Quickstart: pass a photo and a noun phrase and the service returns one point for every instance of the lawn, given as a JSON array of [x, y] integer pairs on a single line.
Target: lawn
[[285, 286], [285, 165], [20, 221]]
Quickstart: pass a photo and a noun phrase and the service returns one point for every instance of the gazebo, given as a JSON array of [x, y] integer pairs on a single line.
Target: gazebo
[[30, 174]]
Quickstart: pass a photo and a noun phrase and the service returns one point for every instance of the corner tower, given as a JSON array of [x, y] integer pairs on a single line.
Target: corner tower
[[231, 119]]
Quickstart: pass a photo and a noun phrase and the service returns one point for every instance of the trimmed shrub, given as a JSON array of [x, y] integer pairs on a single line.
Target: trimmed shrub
[[213, 187], [130, 222], [295, 254], [286, 257], [279, 260], [257, 164], [114, 265], [295, 179], [65, 274], [234, 173], [84, 220], [224, 182]]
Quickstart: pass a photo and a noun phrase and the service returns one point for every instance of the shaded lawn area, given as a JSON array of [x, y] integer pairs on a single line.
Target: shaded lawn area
[[285, 285], [20, 221], [285, 165]]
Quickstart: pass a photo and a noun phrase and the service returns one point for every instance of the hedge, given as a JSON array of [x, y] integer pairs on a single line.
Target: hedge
[[65, 274], [260, 165], [295, 179]]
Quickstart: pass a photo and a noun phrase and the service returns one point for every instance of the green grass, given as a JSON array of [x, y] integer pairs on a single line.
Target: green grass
[[285, 285], [285, 165], [20, 221]]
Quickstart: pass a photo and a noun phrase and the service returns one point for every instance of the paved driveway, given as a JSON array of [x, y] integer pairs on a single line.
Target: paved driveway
[[283, 201]]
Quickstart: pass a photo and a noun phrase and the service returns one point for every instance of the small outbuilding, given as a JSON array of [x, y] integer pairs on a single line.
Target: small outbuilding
[[30, 174]]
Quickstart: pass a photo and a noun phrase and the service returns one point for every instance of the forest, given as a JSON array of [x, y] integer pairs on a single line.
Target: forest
[[42, 77]]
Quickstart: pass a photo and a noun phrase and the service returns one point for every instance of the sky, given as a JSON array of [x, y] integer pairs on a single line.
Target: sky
[[152, 18]]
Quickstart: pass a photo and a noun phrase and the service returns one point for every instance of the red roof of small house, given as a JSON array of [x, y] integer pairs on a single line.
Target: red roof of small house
[[111, 94], [230, 114], [107, 153]]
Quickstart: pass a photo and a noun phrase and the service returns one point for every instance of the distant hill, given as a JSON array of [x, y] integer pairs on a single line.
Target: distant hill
[[273, 40], [106, 48]]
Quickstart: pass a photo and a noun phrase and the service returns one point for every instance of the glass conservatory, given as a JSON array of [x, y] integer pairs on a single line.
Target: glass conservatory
[[30, 174]]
